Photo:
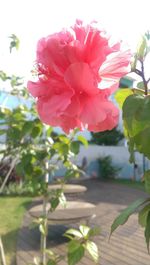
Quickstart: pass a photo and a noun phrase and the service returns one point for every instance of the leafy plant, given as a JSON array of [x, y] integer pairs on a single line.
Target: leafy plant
[[106, 168], [112, 137], [135, 104]]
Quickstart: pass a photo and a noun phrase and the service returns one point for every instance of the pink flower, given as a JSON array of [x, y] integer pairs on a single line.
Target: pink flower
[[77, 72]]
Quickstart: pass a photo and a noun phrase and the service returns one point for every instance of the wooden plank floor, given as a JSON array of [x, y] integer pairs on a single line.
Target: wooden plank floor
[[127, 245]]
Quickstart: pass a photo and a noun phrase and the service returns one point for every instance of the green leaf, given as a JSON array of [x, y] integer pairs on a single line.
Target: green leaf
[[147, 180], [36, 131], [42, 229], [147, 231], [73, 232], [54, 203], [14, 42], [26, 159], [92, 248], [62, 199], [142, 142], [123, 217], [82, 140], [27, 127], [143, 215], [14, 134], [131, 109], [75, 252], [121, 95], [84, 230], [75, 147], [3, 76], [61, 148], [64, 139], [140, 85]]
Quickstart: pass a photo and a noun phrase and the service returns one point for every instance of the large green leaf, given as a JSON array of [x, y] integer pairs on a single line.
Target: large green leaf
[[75, 252], [142, 142], [75, 147], [143, 215], [121, 95], [123, 217], [131, 107]]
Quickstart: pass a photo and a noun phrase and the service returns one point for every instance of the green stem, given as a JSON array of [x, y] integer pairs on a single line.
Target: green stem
[[45, 224], [44, 235]]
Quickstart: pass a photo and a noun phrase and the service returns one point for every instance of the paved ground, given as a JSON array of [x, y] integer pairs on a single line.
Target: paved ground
[[127, 245]]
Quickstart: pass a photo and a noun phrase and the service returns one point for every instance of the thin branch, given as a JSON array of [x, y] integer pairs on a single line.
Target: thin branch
[[138, 72], [143, 78], [148, 80]]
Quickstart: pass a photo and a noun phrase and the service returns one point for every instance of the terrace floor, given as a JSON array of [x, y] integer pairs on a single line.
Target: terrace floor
[[127, 245]]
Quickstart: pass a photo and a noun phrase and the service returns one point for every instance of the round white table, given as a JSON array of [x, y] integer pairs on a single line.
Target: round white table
[[74, 212]]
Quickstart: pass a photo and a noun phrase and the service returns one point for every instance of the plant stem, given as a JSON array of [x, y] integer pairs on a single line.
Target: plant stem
[[142, 75], [45, 220], [44, 235], [2, 254], [143, 78]]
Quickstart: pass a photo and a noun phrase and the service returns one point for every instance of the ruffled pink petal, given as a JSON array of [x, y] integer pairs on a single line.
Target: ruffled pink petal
[[51, 108], [115, 67], [96, 49], [69, 123], [51, 54], [47, 87], [80, 77], [96, 112], [74, 108], [94, 109], [81, 31], [74, 52], [110, 122], [38, 89]]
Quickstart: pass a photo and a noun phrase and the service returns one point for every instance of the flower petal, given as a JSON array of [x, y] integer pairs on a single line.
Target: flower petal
[[109, 123], [79, 77], [115, 67], [51, 108], [51, 54], [97, 113]]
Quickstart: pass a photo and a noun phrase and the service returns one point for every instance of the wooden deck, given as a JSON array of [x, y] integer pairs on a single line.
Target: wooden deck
[[127, 245]]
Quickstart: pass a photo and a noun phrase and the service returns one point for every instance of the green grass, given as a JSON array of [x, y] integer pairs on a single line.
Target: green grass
[[130, 183], [12, 210]]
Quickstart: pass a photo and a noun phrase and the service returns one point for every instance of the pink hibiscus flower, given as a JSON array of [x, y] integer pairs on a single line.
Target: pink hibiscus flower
[[77, 72]]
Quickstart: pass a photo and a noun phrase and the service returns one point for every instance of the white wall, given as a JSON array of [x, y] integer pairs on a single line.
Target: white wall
[[120, 157]]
